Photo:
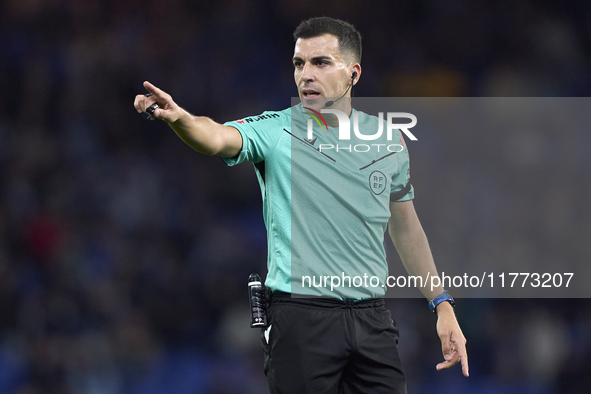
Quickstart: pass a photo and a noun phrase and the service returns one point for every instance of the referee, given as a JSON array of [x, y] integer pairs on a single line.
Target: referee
[[326, 213]]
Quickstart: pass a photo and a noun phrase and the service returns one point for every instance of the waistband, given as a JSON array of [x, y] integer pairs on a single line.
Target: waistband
[[280, 297]]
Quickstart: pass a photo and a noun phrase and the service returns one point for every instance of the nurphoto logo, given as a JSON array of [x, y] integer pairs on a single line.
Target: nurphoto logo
[[345, 129], [345, 124]]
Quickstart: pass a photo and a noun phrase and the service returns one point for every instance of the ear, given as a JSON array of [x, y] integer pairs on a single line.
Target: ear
[[355, 72]]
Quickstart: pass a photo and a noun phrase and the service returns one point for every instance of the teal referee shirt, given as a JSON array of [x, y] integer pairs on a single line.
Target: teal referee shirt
[[325, 201]]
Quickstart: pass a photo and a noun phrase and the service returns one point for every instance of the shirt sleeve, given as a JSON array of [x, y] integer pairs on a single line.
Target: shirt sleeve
[[259, 134], [401, 188]]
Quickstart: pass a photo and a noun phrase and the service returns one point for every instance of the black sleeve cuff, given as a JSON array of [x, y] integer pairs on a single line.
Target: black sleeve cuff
[[401, 193]]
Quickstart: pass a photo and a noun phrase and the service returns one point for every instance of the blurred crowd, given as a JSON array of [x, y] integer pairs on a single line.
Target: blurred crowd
[[124, 254]]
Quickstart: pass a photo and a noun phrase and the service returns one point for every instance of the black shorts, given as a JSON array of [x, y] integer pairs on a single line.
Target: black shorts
[[321, 345]]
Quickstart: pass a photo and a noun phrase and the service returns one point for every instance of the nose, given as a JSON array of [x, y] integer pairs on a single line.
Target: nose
[[307, 74]]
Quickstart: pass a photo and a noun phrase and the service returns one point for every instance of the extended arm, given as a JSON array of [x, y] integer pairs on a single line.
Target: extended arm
[[411, 243], [199, 132]]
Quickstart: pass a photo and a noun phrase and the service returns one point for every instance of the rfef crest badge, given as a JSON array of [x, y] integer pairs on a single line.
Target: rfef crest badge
[[377, 182]]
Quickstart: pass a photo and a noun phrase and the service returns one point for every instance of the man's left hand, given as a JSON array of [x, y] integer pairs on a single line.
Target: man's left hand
[[453, 342]]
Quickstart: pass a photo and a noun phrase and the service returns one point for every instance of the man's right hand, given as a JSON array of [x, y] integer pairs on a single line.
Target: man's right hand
[[169, 111], [199, 132]]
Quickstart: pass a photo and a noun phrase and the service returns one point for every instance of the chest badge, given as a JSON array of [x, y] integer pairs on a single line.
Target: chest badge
[[377, 182]]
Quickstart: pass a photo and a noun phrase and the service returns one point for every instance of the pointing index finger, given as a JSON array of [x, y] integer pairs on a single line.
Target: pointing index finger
[[464, 362], [153, 89]]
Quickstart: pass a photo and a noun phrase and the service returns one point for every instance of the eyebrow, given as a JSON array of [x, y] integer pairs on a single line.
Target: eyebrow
[[315, 58]]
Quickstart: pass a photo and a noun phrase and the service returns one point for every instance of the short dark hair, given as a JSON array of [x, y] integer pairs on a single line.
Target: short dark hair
[[349, 38]]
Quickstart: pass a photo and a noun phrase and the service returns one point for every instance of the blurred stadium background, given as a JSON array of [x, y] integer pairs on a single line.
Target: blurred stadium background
[[124, 254]]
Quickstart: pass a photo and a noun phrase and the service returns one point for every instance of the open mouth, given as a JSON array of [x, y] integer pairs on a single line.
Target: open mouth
[[310, 93]]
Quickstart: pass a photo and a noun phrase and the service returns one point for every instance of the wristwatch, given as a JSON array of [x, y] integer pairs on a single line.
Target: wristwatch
[[439, 299]]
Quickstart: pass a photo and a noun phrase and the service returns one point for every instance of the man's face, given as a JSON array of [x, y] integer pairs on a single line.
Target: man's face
[[321, 71]]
